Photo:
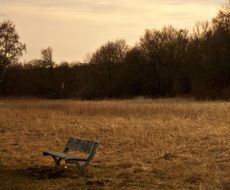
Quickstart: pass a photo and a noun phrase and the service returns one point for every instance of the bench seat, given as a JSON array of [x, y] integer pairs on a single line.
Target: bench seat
[[62, 155]]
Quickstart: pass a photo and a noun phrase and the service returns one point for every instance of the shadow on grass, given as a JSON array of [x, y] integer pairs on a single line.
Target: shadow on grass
[[46, 172], [41, 172], [42, 177]]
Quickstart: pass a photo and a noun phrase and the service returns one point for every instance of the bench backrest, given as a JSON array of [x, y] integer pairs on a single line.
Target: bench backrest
[[80, 144]]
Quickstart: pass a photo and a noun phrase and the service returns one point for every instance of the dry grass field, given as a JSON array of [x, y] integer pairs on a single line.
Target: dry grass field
[[144, 144]]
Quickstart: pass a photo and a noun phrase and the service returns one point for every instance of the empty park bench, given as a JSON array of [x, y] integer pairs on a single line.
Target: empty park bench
[[85, 146]]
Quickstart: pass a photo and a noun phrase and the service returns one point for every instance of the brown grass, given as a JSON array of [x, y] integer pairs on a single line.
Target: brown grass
[[144, 144]]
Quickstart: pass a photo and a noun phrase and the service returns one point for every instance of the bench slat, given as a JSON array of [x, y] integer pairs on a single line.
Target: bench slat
[[57, 154], [74, 159], [79, 144], [62, 155]]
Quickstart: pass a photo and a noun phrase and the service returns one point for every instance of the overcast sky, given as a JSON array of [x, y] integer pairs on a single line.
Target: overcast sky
[[74, 28]]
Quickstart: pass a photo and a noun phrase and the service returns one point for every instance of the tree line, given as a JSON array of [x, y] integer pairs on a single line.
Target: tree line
[[164, 63]]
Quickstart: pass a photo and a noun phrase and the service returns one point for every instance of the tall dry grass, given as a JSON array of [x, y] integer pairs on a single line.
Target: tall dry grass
[[144, 144]]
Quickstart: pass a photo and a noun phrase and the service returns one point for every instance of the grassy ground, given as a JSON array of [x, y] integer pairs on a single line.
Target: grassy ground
[[144, 144]]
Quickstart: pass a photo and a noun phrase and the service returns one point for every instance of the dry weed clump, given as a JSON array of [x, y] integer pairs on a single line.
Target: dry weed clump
[[144, 144]]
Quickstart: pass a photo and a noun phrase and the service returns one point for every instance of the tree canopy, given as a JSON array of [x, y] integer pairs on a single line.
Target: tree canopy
[[10, 46]]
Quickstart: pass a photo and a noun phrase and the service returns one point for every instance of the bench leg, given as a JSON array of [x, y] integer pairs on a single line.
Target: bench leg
[[81, 168], [57, 160]]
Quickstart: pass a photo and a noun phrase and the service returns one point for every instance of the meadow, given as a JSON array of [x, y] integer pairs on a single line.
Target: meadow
[[144, 144]]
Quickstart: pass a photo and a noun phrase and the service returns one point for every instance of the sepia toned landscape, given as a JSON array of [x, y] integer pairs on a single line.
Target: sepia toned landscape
[[115, 95], [143, 144]]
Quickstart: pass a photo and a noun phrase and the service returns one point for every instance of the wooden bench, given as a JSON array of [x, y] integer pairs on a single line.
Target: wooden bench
[[77, 144]]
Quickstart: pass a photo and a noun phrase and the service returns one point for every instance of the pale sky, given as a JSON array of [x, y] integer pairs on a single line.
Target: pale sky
[[74, 28]]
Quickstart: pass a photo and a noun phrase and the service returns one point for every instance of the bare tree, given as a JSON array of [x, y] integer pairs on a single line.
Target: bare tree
[[10, 46], [165, 51], [108, 56], [222, 20], [47, 57]]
